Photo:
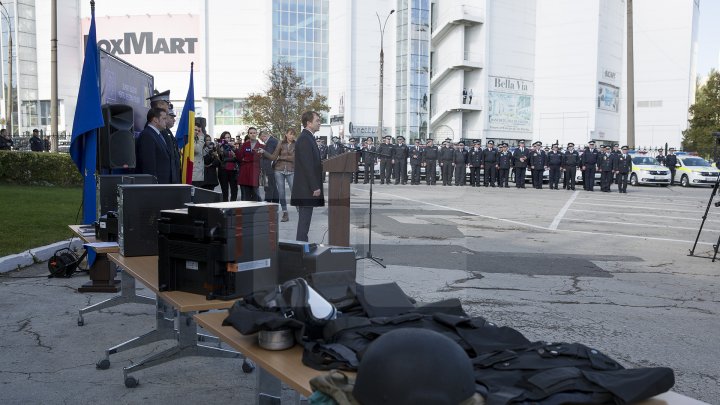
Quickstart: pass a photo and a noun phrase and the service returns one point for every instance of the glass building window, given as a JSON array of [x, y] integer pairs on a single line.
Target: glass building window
[[413, 68], [300, 37], [229, 111]]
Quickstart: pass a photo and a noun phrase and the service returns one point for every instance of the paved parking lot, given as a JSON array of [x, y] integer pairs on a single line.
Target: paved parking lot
[[607, 270]]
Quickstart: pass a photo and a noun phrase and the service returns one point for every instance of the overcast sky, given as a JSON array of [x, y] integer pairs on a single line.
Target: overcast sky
[[708, 37]]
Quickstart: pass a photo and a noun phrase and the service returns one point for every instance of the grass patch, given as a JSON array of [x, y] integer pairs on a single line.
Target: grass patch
[[32, 216]]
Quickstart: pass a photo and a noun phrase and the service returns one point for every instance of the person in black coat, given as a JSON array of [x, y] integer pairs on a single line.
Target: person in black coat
[[489, 164], [671, 163], [307, 190], [416, 154], [538, 164], [554, 161], [400, 158], [211, 159], [504, 162], [152, 151], [570, 162], [474, 162], [36, 144], [460, 159], [623, 166], [266, 165], [588, 164], [6, 142], [520, 163]]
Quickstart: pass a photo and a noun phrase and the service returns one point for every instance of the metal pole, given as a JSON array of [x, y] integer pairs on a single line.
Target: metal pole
[[10, 72], [53, 78], [382, 63], [630, 78]]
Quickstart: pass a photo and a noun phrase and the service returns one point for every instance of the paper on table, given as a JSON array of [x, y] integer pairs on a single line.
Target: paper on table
[[97, 245]]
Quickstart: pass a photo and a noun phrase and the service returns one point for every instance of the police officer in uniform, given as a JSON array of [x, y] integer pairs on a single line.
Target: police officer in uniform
[[606, 164], [489, 164], [322, 148], [671, 162], [623, 166], [385, 150], [538, 163], [353, 147], [369, 161], [460, 158], [570, 162], [661, 158], [415, 163], [588, 164], [335, 148], [400, 158], [474, 162], [520, 163], [504, 162], [554, 161], [447, 154], [430, 157]]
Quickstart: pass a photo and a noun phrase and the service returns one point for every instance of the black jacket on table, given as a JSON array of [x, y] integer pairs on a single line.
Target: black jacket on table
[[521, 157], [308, 172]]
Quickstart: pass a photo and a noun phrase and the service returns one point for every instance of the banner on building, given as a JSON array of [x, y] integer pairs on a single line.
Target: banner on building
[[510, 104], [608, 97]]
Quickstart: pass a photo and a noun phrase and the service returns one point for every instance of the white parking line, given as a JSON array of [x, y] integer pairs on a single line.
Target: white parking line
[[684, 204], [460, 210], [664, 217], [562, 212], [634, 207], [637, 224], [635, 236], [647, 197]]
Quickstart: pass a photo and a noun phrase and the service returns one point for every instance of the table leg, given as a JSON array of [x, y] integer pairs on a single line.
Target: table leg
[[187, 346], [164, 329], [269, 388], [127, 295]]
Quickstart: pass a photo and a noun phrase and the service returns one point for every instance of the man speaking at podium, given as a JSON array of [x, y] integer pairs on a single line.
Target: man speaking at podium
[[307, 191]]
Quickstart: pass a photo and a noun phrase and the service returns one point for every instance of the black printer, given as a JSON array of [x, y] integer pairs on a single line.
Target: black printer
[[221, 250]]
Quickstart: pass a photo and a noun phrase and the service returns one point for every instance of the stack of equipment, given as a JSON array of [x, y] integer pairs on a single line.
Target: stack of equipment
[[106, 227], [221, 250], [139, 207]]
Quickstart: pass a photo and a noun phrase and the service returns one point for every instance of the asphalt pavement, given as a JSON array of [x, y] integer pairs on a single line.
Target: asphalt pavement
[[605, 269]]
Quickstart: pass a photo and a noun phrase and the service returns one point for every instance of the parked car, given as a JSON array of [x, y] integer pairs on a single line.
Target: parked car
[[695, 171], [647, 170]]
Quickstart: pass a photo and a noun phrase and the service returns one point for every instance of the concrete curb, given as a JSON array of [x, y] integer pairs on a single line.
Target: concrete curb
[[35, 255]]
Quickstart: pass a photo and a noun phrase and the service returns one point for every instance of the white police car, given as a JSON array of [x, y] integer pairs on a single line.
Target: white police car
[[695, 171], [647, 170]]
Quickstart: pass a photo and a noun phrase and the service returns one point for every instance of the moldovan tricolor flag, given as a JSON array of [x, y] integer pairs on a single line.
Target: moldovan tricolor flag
[[185, 135]]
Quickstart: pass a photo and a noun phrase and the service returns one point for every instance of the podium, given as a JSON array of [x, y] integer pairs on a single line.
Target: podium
[[340, 168]]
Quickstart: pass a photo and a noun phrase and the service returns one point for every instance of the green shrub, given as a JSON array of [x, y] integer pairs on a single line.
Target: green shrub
[[36, 168]]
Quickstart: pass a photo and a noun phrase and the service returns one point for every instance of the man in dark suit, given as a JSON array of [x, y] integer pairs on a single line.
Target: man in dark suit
[[152, 150], [307, 191], [266, 165]]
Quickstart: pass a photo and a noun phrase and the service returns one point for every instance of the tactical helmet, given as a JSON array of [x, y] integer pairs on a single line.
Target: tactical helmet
[[414, 366]]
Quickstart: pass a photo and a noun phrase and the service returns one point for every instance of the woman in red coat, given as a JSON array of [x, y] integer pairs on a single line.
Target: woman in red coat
[[249, 156]]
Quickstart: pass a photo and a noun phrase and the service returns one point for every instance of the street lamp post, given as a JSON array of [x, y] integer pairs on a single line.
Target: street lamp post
[[9, 116], [382, 65]]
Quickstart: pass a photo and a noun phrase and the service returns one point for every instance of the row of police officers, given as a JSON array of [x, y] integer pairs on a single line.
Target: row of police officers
[[488, 166]]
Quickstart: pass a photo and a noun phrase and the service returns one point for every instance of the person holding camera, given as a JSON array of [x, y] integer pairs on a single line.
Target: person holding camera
[[228, 171], [212, 163]]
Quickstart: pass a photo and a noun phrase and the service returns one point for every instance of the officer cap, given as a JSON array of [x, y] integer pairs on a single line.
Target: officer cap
[[571, 144], [537, 143], [504, 145], [461, 143], [490, 142], [591, 143], [625, 147], [164, 96], [605, 146], [400, 137], [444, 372], [522, 141], [171, 111], [476, 142], [616, 146], [387, 137], [353, 140], [672, 148], [417, 141], [448, 140], [547, 148], [36, 130], [369, 139], [555, 145], [428, 141]]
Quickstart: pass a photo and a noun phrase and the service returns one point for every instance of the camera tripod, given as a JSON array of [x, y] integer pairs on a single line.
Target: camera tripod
[[704, 218]]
